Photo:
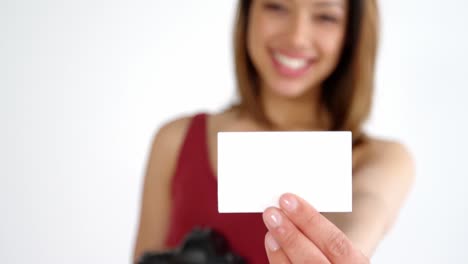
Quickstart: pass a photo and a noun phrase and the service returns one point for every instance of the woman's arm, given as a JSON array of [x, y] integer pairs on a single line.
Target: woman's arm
[[155, 202], [299, 234], [381, 182]]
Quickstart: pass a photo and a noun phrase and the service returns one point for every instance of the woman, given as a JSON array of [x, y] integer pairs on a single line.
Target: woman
[[300, 65]]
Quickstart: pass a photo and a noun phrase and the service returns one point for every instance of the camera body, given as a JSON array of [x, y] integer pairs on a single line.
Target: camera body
[[201, 246]]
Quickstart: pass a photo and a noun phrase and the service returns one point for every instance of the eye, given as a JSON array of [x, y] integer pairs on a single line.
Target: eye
[[327, 19], [275, 7]]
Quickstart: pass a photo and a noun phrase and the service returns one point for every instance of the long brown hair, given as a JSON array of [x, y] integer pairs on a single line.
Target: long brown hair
[[347, 92]]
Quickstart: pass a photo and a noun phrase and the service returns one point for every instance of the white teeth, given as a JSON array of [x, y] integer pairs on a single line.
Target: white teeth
[[293, 63]]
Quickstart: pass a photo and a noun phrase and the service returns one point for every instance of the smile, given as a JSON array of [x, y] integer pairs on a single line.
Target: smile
[[291, 67]]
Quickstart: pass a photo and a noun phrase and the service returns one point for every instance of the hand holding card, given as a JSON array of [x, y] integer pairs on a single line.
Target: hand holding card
[[297, 233]]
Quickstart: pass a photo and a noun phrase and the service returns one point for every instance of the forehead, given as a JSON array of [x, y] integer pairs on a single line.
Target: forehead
[[321, 3]]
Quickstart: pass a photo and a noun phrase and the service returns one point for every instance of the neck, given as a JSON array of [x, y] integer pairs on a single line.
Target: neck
[[301, 113]]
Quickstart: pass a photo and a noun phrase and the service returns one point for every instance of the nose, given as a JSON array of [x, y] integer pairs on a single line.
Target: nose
[[299, 31]]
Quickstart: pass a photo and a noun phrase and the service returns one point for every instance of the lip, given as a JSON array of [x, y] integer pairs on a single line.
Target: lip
[[288, 72], [293, 54]]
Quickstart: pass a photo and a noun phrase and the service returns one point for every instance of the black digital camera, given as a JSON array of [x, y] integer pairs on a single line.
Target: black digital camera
[[201, 246]]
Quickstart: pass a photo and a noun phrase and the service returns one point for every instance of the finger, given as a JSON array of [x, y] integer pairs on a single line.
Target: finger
[[297, 247], [323, 233], [274, 252]]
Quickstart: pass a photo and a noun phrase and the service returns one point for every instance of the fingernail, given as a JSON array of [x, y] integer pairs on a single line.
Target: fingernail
[[271, 242], [288, 202], [273, 219]]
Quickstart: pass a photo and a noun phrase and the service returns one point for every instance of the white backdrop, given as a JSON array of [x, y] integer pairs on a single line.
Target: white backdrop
[[85, 84]]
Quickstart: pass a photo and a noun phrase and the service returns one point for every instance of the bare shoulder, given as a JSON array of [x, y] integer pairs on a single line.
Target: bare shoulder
[[174, 129], [170, 135], [388, 153], [383, 166], [155, 202], [165, 147]]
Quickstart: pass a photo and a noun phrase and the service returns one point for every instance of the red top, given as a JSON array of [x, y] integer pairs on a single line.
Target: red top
[[195, 202]]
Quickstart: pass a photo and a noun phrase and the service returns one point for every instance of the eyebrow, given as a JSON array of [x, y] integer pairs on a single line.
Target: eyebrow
[[328, 3]]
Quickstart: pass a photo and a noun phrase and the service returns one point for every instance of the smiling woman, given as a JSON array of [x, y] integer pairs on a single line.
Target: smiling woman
[[300, 65], [316, 35], [331, 46]]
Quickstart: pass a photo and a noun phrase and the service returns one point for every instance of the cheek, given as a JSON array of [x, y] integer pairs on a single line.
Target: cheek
[[254, 36], [262, 31], [269, 28], [331, 43]]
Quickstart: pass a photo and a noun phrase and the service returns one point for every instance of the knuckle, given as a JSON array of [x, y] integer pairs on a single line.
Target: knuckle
[[338, 245], [312, 219], [290, 239]]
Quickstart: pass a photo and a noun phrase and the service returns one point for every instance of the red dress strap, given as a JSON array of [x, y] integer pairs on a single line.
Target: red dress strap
[[194, 200]]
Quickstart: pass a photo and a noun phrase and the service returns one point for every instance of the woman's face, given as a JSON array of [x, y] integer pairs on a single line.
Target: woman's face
[[295, 44]]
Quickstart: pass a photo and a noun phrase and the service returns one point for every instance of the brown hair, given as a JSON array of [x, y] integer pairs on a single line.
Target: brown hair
[[347, 92]]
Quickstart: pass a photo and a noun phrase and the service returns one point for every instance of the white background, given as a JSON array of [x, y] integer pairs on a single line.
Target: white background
[[85, 84]]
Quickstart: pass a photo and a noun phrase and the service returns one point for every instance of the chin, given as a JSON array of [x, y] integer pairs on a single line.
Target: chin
[[291, 91]]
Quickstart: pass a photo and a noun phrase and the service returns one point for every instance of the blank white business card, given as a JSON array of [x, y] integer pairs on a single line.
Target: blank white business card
[[255, 168]]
